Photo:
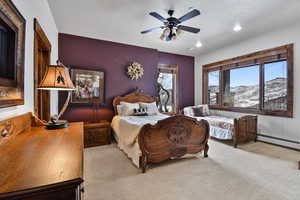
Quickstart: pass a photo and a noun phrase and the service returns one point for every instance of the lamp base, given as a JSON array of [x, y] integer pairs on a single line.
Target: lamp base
[[57, 125]]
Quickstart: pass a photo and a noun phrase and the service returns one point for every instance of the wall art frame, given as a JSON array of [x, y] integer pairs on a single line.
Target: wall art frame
[[13, 28], [89, 86]]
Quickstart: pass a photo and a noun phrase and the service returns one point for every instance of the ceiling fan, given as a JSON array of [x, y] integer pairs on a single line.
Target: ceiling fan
[[172, 27]]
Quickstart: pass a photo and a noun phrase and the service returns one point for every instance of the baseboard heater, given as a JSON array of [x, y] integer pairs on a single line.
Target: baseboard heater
[[281, 139]]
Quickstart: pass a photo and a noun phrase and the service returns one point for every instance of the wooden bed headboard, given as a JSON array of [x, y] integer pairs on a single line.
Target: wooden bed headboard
[[136, 96]]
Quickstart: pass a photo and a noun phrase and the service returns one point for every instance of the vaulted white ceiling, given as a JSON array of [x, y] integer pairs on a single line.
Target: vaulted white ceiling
[[123, 20]]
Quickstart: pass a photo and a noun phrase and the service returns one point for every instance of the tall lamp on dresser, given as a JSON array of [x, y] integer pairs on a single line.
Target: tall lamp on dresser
[[57, 77]]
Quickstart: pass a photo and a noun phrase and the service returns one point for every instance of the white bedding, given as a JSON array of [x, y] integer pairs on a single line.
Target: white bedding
[[126, 130], [220, 127]]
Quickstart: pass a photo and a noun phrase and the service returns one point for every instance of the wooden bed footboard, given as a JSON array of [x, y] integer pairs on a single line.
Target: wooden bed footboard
[[172, 137], [245, 129]]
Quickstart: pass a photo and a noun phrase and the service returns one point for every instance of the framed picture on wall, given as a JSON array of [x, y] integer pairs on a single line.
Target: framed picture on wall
[[89, 86], [12, 51]]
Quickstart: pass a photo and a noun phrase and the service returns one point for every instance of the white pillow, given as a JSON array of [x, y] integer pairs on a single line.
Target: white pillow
[[151, 108], [188, 111], [127, 108], [205, 109], [119, 109]]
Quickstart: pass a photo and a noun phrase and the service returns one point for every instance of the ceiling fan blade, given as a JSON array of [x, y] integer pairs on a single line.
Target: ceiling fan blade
[[189, 15], [152, 29], [158, 16], [189, 29]]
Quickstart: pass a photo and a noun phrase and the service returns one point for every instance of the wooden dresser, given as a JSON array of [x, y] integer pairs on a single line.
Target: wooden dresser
[[40, 164]]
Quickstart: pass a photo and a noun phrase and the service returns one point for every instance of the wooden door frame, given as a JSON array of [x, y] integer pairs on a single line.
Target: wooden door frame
[[40, 39]]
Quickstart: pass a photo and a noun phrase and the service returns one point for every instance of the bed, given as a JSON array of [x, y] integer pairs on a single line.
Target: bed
[[238, 130], [156, 138]]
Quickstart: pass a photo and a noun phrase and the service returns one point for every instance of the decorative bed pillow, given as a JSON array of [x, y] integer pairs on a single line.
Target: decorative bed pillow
[[150, 107], [198, 112], [140, 112], [119, 109], [188, 111], [128, 108], [205, 110]]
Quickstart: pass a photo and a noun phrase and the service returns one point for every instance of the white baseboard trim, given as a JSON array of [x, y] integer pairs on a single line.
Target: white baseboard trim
[[279, 142]]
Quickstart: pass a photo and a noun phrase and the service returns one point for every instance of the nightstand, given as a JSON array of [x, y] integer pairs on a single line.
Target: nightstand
[[96, 134]]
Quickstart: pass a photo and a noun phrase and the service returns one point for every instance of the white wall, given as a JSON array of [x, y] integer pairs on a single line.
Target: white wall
[[31, 9], [288, 128]]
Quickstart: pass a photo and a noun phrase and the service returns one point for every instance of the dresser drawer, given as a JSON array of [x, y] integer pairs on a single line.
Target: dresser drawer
[[70, 190]]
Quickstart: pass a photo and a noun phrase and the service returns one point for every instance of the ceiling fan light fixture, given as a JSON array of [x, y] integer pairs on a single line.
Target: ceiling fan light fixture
[[178, 32], [171, 25], [174, 37], [162, 36], [167, 31]]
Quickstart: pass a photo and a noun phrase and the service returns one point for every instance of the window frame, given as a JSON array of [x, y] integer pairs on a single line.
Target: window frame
[[172, 69], [260, 58], [219, 87]]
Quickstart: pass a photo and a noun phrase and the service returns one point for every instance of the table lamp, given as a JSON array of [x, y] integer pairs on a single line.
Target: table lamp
[[57, 77]]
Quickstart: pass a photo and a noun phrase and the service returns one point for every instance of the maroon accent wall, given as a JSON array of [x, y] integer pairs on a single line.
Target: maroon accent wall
[[113, 58]]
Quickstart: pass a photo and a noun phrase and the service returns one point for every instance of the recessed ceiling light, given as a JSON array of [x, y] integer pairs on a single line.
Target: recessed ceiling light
[[237, 28], [198, 44]]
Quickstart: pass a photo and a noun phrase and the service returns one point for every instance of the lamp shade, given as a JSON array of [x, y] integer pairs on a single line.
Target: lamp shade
[[57, 77]]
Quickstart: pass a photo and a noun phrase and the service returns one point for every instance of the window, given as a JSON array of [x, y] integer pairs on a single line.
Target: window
[[213, 87], [260, 83], [167, 88], [241, 87], [276, 80]]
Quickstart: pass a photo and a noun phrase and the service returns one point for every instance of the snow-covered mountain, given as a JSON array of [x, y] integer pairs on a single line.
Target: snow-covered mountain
[[248, 96]]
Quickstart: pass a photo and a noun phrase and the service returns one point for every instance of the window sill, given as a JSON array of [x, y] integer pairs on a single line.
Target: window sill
[[287, 114]]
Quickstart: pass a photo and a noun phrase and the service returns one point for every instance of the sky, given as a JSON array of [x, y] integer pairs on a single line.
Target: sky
[[166, 79], [250, 75]]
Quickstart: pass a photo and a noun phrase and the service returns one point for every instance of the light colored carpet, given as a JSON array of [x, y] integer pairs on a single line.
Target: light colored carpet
[[256, 171]]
